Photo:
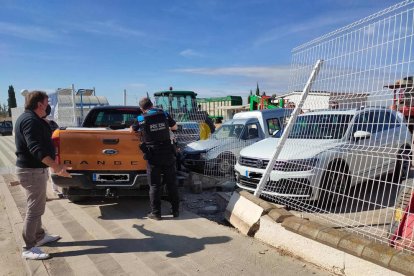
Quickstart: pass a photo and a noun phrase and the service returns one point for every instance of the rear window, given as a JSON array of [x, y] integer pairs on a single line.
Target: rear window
[[118, 118]]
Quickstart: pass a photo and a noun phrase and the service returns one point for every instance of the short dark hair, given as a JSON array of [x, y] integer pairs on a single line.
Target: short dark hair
[[33, 98], [145, 103]]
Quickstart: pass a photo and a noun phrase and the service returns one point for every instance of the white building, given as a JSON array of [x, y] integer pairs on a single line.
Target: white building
[[326, 100], [64, 111]]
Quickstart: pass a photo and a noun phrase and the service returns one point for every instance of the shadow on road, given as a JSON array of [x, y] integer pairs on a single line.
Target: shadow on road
[[175, 245]]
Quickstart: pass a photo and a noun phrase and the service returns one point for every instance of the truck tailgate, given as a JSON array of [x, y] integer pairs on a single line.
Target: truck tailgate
[[101, 150]]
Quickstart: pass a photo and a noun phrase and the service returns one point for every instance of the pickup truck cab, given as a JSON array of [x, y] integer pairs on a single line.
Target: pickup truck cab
[[103, 155], [219, 153]]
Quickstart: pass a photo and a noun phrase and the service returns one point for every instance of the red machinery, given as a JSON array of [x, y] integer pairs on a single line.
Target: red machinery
[[403, 99]]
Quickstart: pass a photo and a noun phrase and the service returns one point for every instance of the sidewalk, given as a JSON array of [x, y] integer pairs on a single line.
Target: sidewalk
[[115, 238], [11, 262]]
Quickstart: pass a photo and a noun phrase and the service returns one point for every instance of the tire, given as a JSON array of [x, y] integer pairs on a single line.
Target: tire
[[334, 184], [402, 166], [226, 162], [73, 198]]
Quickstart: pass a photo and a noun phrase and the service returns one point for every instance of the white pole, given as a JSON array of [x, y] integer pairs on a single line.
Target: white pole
[[124, 97], [75, 121], [283, 138]]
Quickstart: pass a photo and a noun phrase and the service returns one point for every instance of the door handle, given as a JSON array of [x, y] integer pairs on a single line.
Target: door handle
[[110, 141]]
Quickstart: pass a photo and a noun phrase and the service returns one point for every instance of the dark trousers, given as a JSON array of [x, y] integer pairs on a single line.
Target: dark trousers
[[168, 173]]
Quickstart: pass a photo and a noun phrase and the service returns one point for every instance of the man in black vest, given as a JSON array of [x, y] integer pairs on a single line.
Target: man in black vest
[[159, 152]]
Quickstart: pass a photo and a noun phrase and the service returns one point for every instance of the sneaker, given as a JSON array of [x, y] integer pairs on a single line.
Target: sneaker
[[154, 216], [35, 253], [47, 239]]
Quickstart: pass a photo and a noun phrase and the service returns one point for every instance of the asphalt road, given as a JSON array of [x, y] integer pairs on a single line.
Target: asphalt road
[[114, 237]]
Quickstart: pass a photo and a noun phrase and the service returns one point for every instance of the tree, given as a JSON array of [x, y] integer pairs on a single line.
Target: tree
[[11, 101], [3, 110], [248, 97], [257, 90]]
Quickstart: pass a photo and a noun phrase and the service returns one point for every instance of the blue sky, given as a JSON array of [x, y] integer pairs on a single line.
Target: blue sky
[[213, 47]]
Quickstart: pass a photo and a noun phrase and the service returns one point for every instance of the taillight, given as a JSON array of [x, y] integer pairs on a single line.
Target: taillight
[[56, 143]]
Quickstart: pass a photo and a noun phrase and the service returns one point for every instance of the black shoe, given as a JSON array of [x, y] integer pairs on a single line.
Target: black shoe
[[175, 214], [154, 216]]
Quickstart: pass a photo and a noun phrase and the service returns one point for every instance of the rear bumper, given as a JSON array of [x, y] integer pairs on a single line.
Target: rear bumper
[[84, 180]]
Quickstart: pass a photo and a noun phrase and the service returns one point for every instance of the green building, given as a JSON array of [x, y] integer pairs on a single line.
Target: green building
[[214, 106]]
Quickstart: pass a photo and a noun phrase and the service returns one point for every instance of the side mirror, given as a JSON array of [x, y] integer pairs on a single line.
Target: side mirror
[[361, 135]]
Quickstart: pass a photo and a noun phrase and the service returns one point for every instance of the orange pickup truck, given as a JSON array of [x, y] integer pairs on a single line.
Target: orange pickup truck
[[104, 156]]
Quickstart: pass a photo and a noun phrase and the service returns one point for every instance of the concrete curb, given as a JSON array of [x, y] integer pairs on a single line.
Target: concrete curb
[[243, 214], [346, 253], [374, 252]]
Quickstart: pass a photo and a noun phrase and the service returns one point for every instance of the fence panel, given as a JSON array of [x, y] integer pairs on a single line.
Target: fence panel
[[346, 166]]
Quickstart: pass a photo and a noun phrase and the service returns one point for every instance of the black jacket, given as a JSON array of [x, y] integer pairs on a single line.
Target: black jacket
[[33, 141]]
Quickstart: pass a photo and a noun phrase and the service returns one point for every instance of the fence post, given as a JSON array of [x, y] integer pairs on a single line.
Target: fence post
[[75, 119], [283, 138]]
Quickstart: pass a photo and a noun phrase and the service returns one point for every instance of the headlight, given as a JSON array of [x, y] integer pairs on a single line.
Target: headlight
[[296, 165]]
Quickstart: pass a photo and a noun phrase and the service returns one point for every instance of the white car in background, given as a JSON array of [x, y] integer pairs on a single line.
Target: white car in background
[[329, 151]]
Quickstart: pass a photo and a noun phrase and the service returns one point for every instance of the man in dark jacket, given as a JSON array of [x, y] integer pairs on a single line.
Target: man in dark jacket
[[35, 153]]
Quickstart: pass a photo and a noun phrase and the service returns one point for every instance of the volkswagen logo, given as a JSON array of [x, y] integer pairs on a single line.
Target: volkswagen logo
[[259, 163], [109, 151]]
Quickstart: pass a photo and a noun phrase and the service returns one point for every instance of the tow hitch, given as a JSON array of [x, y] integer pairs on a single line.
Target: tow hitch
[[110, 193]]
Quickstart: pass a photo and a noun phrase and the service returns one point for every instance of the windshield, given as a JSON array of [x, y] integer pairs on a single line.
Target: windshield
[[175, 103], [229, 131], [326, 126]]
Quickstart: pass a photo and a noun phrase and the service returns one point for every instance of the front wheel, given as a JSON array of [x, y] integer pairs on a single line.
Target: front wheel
[[334, 185], [226, 163]]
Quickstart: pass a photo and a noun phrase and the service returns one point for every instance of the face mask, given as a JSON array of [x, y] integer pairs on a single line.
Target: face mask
[[48, 110]]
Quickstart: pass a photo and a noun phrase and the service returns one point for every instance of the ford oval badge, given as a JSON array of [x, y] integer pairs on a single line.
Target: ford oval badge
[[109, 151]]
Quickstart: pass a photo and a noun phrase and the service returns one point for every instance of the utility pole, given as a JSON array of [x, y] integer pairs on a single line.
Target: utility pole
[[75, 121]]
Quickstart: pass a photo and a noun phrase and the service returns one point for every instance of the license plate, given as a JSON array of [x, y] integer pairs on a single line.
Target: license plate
[[110, 177]]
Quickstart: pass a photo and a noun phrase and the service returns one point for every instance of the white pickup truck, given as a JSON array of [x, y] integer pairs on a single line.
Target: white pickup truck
[[219, 153]]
